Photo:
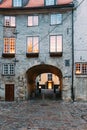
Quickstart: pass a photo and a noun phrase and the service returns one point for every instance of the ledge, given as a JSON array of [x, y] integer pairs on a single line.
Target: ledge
[[5, 55], [55, 54], [32, 55]]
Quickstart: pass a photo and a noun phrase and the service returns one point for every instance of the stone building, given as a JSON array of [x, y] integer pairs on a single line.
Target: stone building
[[36, 37], [80, 50]]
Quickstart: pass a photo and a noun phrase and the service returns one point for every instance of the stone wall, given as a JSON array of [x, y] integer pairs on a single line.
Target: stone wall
[[44, 30]]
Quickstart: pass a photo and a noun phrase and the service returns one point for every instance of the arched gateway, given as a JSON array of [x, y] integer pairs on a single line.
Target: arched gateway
[[36, 70]]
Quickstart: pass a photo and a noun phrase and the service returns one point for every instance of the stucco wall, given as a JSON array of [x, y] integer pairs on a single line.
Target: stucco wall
[[80, 48]]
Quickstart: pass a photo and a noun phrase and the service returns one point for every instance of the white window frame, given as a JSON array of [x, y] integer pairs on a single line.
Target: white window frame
[[81, 68], [8, 69], [9, 46], [33, 20], [50, 2], [17, 3], [32, 44], [56, 19], [56, 43], [9, 21]]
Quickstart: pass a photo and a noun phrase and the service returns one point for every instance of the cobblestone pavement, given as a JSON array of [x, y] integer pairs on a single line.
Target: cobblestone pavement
[[43, 115]]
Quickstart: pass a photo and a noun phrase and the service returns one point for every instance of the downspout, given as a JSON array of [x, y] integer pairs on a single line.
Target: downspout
[[72, 88]]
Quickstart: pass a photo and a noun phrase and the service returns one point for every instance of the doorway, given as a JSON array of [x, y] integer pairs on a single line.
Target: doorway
[[9, 92]]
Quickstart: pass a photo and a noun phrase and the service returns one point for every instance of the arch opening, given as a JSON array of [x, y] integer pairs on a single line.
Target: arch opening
[[44, 81]]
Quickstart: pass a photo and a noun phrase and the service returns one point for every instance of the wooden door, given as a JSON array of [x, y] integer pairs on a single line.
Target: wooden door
[[9, 92]]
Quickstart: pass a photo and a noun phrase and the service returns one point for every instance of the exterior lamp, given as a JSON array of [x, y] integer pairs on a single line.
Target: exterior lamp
[[39, 89]]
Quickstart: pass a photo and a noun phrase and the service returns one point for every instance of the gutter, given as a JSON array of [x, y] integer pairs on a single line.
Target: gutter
[[38, 8], [72, 88]]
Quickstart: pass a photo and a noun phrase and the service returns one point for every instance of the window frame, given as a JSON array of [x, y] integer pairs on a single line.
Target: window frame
[[81, 68], [56, 52], [17, 5], [48, 2], [9, 47], [10, 21], [32, 53], [9, 70], [33, 20], [56, 22]]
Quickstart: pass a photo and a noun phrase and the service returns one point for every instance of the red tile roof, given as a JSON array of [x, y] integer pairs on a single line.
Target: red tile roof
[[32, 3]]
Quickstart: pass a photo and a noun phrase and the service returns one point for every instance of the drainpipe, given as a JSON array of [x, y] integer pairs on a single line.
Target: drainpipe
[[72, 88]]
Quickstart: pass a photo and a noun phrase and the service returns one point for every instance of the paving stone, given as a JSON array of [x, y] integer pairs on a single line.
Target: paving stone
[[39, 115]]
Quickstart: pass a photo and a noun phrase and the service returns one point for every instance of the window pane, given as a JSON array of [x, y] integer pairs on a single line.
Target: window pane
[[32, 44], [78, 69], [12, 45], [49, 2], [17, 3], [53, 19], [84, 68], [35, 20], [5, 69], [6, 45], [13, 21], [30, 21], [56, 19], [9, 45], [59, 18], [29, 44], [59, 43], [7, 21], [52, 43], [11, 68], [35, 44], [49, 77], [8, 69]]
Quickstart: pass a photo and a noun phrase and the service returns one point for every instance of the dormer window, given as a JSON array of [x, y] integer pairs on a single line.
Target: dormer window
[[17, 3], [49, 2], [0, 1]]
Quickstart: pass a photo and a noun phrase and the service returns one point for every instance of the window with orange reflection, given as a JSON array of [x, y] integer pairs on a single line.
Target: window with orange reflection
[[9, 45], [81, 68], [32, 44]]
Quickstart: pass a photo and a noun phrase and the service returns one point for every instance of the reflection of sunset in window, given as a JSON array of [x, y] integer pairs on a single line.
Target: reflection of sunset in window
[[78, 69], [12, 45], [9, 45], [32, 46], [29, 47], [55, 43]]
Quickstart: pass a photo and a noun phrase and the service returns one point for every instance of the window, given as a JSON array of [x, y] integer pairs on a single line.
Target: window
[[32, 20], [56, 19], [9, 45], [17, 3], [55, 44], [81, 68], [50, 2], [8, 69], [49, 77], [0, 1], [9, 21], [32, 45]]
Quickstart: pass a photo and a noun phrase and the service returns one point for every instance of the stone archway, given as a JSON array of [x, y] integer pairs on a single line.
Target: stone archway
[[36, 70]]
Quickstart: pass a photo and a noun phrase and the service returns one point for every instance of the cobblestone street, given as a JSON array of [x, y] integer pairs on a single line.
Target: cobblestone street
[[43, 115]]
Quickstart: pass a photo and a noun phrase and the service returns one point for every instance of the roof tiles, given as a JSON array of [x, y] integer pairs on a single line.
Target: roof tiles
[[32, 3]]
